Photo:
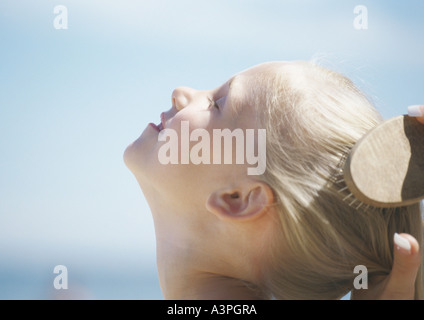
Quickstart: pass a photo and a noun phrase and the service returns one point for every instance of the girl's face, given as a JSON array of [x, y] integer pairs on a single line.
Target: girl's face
[[189, 173]]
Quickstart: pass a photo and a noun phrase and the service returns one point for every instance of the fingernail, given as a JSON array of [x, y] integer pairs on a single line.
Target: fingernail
[[402, 243], [416, 110]]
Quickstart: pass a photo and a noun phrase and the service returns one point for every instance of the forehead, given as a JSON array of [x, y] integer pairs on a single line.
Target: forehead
[[263, 70], [248, 88], [258, 78]]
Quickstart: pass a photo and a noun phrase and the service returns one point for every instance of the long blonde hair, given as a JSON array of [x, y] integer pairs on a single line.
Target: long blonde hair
[[313, 117]]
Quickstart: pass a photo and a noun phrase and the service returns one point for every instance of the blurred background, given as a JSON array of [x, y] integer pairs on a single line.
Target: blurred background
[[71, 100]]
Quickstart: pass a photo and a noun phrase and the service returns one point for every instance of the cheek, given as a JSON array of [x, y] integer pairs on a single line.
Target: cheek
[[185, 168], [194, 120]]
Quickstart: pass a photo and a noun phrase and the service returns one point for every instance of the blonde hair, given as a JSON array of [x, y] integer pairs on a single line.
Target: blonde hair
[[313, 117]]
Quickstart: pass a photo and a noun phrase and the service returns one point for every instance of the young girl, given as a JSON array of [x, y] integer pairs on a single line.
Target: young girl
[[284, 233]]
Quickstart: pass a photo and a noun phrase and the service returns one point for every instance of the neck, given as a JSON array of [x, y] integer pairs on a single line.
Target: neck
[[179, 281], [188, 272], [189, 267], [214, 287]]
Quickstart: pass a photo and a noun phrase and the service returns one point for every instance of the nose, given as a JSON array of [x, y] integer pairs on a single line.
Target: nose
[[182, 97]]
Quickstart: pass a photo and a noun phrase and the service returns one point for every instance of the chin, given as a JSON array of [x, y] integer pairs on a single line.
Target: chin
[[142, 162], [136, 155], [128, 156]]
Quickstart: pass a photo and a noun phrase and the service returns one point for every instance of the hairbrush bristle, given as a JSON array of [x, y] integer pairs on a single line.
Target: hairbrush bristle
[[340, 184], [343, 189]]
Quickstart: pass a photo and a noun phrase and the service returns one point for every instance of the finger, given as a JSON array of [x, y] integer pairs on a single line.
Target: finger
[[407, 258], [417, 111]]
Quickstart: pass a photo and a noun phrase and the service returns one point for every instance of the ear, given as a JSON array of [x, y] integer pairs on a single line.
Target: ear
[[243, 203]]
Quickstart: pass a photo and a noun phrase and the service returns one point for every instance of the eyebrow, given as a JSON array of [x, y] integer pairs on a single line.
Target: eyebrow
[[235, 100], [232, 80], [228, 84]]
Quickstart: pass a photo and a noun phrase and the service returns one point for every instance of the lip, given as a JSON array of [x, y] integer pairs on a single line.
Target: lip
[[159, 127], [154, 126], [162, 119]]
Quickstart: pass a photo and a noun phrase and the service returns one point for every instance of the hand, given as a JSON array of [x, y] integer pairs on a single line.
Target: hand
[[400, 283], [417, 111]]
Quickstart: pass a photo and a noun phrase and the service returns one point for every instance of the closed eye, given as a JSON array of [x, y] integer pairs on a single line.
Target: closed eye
[[218, 104], [213, 104]]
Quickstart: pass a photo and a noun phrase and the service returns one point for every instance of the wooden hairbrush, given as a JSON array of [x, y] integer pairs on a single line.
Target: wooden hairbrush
[[385, 168]]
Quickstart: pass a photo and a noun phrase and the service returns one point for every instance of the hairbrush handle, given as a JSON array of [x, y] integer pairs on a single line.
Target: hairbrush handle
[[385, 168]]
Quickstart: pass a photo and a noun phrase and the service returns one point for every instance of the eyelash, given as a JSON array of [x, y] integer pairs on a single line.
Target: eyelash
[[212, 103]]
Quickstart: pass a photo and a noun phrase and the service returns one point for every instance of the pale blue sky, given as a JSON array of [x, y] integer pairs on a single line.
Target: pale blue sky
[[72, 100]]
